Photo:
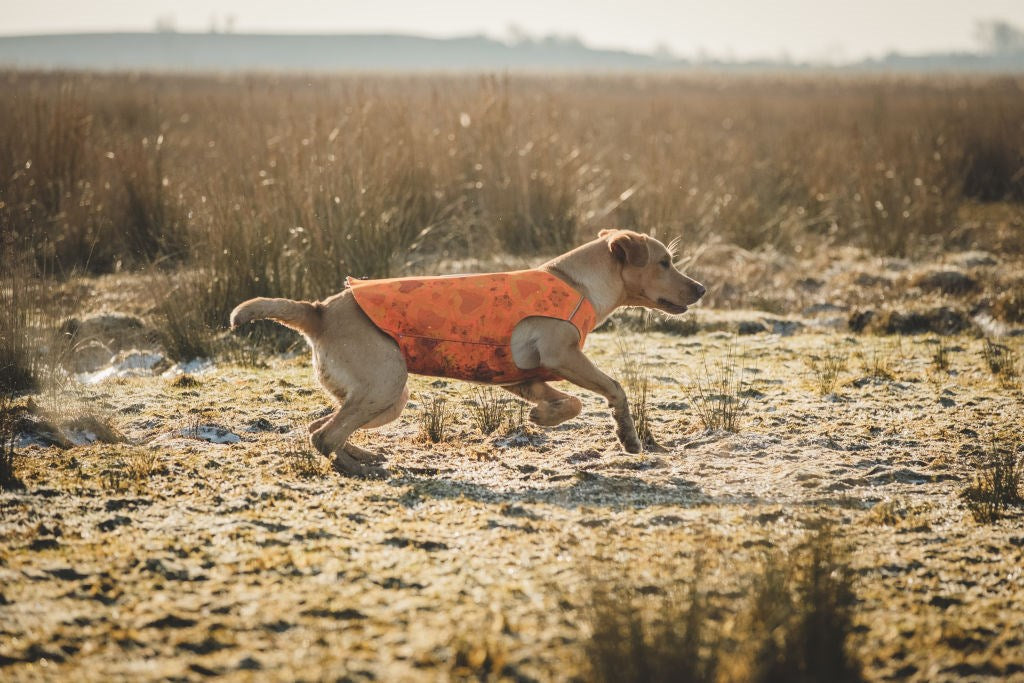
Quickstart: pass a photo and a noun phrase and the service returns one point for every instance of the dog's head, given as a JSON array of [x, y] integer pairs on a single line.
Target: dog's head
[[648, 273]]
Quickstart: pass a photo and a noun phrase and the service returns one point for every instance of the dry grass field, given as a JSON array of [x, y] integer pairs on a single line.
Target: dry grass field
[[838, 491]]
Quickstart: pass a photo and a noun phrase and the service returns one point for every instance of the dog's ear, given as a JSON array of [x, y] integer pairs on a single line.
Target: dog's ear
[[627, 246]]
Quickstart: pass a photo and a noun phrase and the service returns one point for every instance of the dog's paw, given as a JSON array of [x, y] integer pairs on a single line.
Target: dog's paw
[[346, 465], [318, 442], [364, 456], [632, 445], [628, 438]]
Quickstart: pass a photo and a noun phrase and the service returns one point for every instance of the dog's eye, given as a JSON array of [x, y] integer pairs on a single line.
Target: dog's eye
[[665, 263]]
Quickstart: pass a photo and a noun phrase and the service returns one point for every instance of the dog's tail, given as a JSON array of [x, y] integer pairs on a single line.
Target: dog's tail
[[302, 316]]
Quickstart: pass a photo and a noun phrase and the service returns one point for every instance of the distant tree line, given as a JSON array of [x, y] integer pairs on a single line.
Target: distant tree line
[[1000, 37]]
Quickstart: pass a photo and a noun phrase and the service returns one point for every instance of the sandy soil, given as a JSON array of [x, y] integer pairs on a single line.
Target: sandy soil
[[169, 555]]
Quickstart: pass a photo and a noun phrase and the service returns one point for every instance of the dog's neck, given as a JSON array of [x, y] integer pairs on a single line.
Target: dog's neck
[[591, 269]]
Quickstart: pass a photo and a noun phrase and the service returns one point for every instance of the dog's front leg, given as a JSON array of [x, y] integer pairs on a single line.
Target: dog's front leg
[[568, 360]]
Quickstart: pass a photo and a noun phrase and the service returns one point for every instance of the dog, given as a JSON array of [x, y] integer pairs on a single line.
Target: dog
[[366, 339]]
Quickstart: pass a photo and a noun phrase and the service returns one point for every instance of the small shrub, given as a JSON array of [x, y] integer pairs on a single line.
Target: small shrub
[[436, 418], [488, 409], [716, 394], [826, 370], [996, 486]]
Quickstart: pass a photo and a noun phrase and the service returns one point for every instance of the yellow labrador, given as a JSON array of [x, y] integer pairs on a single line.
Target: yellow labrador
[[363, 369]]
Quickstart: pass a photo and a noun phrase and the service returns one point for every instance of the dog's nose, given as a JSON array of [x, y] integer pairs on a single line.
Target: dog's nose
[[701, 290]]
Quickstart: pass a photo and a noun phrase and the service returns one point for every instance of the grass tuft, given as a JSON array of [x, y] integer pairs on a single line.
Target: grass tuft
[[717, 393], [826, 370], [184, 330], [1001, 362], [636, 376], [996, 486], [488, 409], [436, 418], [302, 461], [878, 360], [940, 361]]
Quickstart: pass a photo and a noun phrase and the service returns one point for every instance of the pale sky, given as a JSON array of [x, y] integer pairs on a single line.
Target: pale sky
[[829, 30]]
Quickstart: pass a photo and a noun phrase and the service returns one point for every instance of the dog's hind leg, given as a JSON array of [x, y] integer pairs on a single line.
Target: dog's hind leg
[[551, 406], [372, 404]]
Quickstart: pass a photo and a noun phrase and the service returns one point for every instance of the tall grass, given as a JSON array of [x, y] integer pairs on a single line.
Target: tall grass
[[19, 359], [283, 185]]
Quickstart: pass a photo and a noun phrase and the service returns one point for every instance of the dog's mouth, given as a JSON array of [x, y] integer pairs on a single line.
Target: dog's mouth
[[670, 307]]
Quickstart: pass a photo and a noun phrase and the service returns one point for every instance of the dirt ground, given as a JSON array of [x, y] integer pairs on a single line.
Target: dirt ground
[[213, 541]]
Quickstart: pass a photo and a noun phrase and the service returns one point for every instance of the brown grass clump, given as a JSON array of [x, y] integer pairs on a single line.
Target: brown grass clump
[[681, 643], [1001, 362], [9, 413], [997, 485], [802, 616], [879, 359], [826, 370], [940, 361], [488, 409], [302, 461], [796, 626], [436, 418]]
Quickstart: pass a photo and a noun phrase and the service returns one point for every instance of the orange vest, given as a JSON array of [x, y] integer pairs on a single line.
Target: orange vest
[[460, 326]]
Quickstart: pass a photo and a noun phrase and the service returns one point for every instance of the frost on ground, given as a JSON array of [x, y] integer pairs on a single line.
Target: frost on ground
[[213, 541]]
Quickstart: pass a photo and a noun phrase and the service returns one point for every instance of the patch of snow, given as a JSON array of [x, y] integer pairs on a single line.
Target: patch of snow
[[27, 440], [81, 438], [195, 366], [211, 433], [132, 363], [990, 326]]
